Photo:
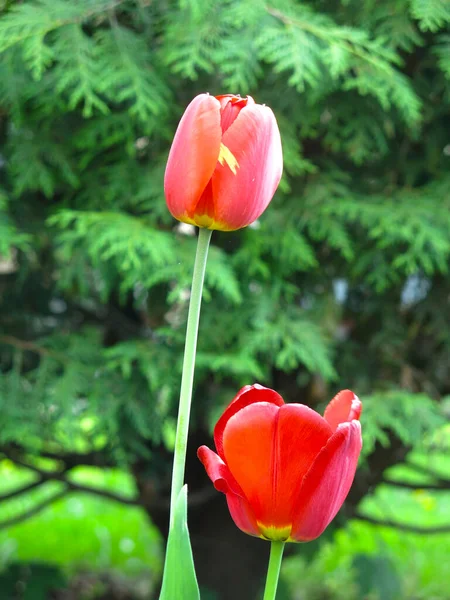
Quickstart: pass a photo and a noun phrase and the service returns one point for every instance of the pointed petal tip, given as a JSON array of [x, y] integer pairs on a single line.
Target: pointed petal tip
[[345, 406], [217, 471]]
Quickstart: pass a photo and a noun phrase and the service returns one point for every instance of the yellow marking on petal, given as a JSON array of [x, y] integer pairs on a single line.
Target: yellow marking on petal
[[205, 222], [226, 156], [275, 534]]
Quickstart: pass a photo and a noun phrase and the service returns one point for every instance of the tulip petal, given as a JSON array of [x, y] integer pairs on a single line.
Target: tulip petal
[[254, 141], [247, 445], [344, 407], [230, 108], [301, 435], [247, 395], [218, 471], [242, 514], [224, 482], [193, 155], [268, 450], [327, 483]]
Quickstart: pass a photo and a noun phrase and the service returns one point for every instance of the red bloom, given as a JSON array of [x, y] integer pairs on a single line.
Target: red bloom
[[225, 162], [284, 469]]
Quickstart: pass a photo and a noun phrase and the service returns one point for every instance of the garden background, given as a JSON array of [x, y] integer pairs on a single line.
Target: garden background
[[343, 283]]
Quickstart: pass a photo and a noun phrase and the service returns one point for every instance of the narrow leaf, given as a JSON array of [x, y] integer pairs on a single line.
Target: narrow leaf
[[179, 580]]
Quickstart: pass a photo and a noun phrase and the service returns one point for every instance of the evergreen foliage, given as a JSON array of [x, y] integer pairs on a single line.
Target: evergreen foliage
[[344, 281]]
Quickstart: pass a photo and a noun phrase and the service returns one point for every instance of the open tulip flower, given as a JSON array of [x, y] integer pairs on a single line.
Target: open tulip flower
[[225, 162], [285, 469]]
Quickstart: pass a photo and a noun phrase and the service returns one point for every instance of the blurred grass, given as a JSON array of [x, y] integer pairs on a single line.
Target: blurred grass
[[81, 531]]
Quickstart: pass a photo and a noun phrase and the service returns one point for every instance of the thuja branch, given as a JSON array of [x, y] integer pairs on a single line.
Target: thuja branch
[[45, 476], [31, 347], [404, 526], [79, 487], [34, 510], [57, 23], [426, 471], [442, 485], [360, 50], [96, 458], [21, 491]]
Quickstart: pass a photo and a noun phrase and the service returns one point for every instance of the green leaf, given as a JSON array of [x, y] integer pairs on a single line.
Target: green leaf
[[179, 580]]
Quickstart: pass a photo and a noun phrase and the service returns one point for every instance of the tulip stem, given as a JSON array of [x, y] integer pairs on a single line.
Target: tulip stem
[[187, 378], [273, 571]]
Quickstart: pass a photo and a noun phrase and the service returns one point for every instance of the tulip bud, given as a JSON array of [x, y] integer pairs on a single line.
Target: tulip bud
[[225, 162], [284, 469]]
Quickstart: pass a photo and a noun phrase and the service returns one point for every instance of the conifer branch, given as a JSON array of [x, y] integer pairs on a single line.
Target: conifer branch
[[324, 34], [60, 476], [78, 487], [21, 491], [76, 459], [37, 508], [31, 31], [404, 526], [428, 471], [442, 485], [95, 458], [31, 347]]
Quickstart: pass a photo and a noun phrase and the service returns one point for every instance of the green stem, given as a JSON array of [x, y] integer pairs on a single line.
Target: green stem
[[187, 378], [273, 571]]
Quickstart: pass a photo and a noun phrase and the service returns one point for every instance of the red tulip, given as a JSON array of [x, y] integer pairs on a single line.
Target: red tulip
[[284, 469], [225, 162]]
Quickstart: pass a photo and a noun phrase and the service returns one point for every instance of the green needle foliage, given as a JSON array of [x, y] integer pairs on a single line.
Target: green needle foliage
[[343, 282]]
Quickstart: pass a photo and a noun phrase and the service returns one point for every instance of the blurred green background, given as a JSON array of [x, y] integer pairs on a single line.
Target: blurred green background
[[342, 283]]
